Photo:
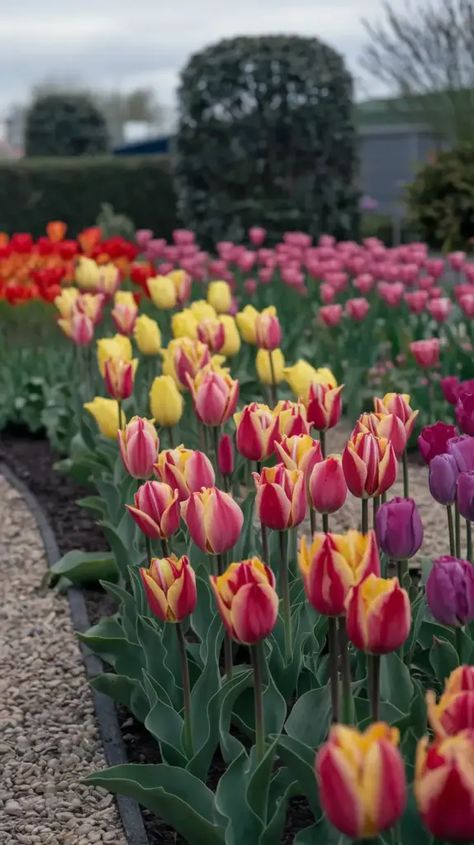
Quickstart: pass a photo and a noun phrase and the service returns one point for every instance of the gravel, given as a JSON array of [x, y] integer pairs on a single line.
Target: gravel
[[48, 735]]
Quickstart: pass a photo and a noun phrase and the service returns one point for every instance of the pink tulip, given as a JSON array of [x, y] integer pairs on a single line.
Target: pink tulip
[[214, 520], [439, 309], [214, 395], [357, 309], [139, 445], [416, 300], [425, 352], [330, 315], [156, 510], [257, 235]]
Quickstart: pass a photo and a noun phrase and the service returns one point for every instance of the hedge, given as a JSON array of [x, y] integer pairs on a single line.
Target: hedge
[[34, 191]]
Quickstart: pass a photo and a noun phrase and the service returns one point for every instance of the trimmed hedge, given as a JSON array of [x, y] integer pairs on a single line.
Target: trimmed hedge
[[34, 191]]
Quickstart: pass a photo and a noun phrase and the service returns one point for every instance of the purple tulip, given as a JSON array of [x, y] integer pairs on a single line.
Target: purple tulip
[[399, 528], [443, 475], [450, 591], [464, 411], [462, 450], [465, 495], [433, 440]]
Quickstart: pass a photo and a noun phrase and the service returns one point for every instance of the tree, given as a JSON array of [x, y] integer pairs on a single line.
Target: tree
[[64, 125], [265, 135], [426, 54]]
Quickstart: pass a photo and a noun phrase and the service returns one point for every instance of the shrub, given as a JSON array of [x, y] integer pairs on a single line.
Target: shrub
[[74, 190], [65, 125], [265, 135], [441, 199]]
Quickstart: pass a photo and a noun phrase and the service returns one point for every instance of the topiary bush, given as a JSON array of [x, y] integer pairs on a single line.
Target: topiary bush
[[441, 199], [265, 135], [65, 125]]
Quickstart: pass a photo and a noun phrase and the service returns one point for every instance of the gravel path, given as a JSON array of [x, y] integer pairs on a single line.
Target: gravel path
[[48, 735]]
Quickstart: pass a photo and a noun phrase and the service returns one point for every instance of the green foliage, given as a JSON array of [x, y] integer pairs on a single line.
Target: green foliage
[[75, 190], [84, 567], [265, 136], [65, 125], [441, 199]]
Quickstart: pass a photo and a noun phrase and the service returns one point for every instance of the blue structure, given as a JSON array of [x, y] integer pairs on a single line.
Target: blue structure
[[152, 146]]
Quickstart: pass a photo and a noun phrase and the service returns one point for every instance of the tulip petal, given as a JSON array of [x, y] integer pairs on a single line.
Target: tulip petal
[[254, 612]]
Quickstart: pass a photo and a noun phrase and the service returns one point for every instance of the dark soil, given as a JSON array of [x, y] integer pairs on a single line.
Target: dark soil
[[32, 460]]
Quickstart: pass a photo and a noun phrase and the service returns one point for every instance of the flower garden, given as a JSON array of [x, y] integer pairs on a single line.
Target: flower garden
[[266, 434]]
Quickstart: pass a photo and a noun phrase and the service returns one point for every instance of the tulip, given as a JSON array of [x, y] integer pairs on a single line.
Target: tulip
[[383, 425], [119, 377], [184, 324], [369, 464], [257, 235], [361, 778], [378, 615], [450, 591], [87, 273], [444, 786], [281, 497], [299, 451], [156, 510], [454, 711], [323, 405], [332, 564], [397, 404], [166, 402], [465, 495], [214, 395], [185, 470], [117, 346], [257, 430], [90, 304], [124, 297], [246, 322], [439, 308], [425, 352], [302, 375], [462, 450], [357, 309], [231, 345], [247, 600], [182, 285], [225, 455], [416, 300], [65, 302], [162, 292], [214, 520], [330, 315], [268, 329], [212, 333], [147, 335], [433, 440], [170, 588], [443, 475], [184, 357], [327, 486], [399, 528], [105, 414], [464, 411], [219, 295], [291, 418], [79, 328], [201, 310], [139, 445], [270, 366]]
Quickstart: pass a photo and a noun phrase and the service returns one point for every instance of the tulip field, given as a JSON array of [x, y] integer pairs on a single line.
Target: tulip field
[[299, 682]]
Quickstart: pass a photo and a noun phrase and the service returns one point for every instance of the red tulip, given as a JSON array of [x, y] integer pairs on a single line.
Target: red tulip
[[170, 588], [378, 615], [327, 488], [454, 711], [214, 520], [247, 600], [156, 510], [185, 470], [281, 497]]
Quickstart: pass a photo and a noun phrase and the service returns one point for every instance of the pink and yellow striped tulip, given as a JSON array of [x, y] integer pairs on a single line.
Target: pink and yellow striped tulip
[[383, 425], [170, 587], [79, 328], [281, 497], [214, 520], [212, 333], [268, 329], [369, 464], [327, 488], [257, 430], [291, 418], [156, 510], [378, 614], [247, 600], [214, 395], [119, 376], [323, 405], [185, 470], [454, 711], [139, 445], [397, 404], [299, 451], [124, 315]]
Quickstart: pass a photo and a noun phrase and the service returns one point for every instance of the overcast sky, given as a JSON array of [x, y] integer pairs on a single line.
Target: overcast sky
[[123, 44]]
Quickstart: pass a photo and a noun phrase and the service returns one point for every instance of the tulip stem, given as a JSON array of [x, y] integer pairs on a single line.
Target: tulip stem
[[468, 540], [257, 655], [265, 554], [148, 549], [406, 480], [334, 674], [452, 545], [459, 638], [188, 728], [322, 442], [164, 547], [375, 507], [119, 412], [457, 527], [273, 385], [365, 515], [285, 594], [325, 523], [215, 436], [171, 437], [347, 701], [373, 675], [312, 520], [402, 571]]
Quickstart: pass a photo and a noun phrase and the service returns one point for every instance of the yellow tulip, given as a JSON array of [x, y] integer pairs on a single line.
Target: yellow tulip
[[246, 321], [117, 346], [264, 371], [232, 338], [184, 324], [108, 279], [302, 374], [201, 310], [65, 301], [162, 292], [147, 335], [124, 297], [105, 413], [166, 402], [219, 295], [87, 273]]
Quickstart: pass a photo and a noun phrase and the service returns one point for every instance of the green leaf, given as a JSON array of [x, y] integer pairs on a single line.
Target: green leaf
[[172, 793], [84, 567], [107, 639], [310, 717], [127, 691], [412, 830], [396, 685], [443, 658], [93, 503], [231, 747], [164, 723], [243, 824], [300, 760], [282, 787], [150, 638]]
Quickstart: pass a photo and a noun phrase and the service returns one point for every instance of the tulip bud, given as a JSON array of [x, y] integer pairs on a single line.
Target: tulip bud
[[184, 357], [291, 418], [184, 324], [357, 308], [327, 485], [323, 406], [369, 464], [182, 284], [219, 295], [302, 375], [425, 352], [247, 600], [450, 387], [378, 615], [443, 476], [246, 321], [268, 374], [465, 495], [185, 470], [433, 440], [79, 328], [399, 528], [119, 377], [65, 302], [299, 451], [281, 497], [139, 445], [105, 414], [166, 402], [170, 588], [455, 710], [201, 310], [268, 329], [334, 563], [464, 411], [361, 777], [231, 345], [214, 520], [383, 425], [257, 235], [462, 450], [257, 429], [212, 333], [117, 346], [214, 395], [147, 335], [162, 292], [444, 786], [124, 316], [225, 455], [450, 591], [156, 510]]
